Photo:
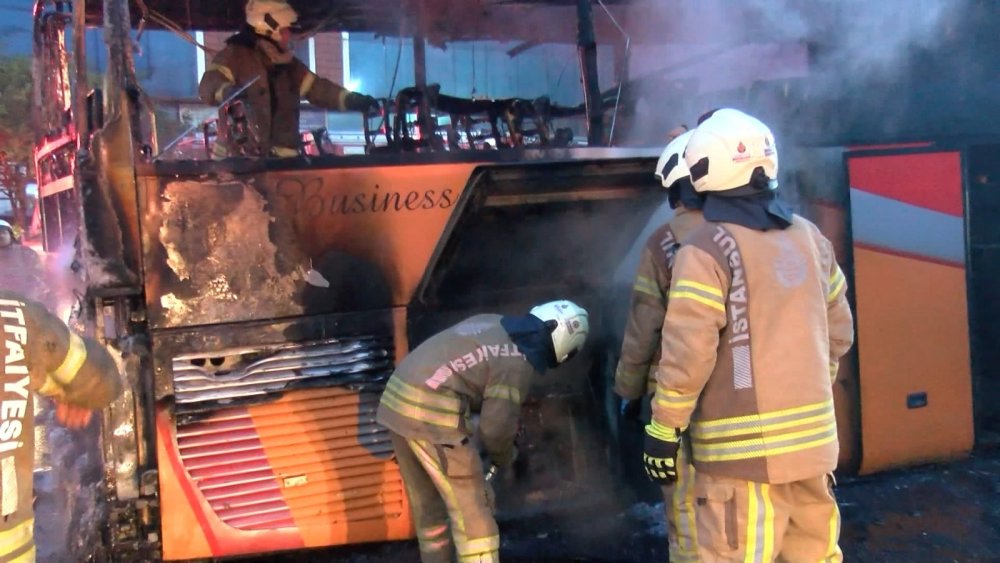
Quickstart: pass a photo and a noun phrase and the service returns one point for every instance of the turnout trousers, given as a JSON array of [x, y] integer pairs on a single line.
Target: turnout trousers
[[445, 485], [740, 520], [679, 501]]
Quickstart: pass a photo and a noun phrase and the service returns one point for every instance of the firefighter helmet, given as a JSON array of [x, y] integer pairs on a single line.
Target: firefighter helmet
[[671, 166], [8, 230], [568, 323], [266, 17], [725, 150]]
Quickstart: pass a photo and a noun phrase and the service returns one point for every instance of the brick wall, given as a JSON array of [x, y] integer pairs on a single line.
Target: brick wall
[[330, 56]]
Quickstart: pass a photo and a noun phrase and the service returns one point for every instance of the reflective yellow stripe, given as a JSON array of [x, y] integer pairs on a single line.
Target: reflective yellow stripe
[[647, 286], [753, 524], [51, 389], [670, 399], [837, 282], [405, 406], [622, 373], [17, 537], [761, 441], [682, 502], [26, 557], [18, 540], [764, 416], [478, 546], [767, 549], [764, 447], [674, 294], [833, 552], [224, 71], [284, 152], [506, 392], [791, 422], [71, 364], [699, 286], [420, 396], [477, 549], [657, 430], [220, 94], [307, 84]]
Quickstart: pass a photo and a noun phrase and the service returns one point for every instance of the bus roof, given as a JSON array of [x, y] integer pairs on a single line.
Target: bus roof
[[441, 21]]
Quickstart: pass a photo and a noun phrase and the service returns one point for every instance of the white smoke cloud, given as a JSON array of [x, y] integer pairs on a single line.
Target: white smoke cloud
[[819, 51]]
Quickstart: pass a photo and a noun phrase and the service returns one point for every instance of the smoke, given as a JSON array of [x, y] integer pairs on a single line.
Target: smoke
[[816, 69]]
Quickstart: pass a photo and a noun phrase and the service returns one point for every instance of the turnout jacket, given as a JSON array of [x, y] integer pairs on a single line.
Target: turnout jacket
[[756, 324], [472, 366], [40, 355], [275, 97], [635, 375]]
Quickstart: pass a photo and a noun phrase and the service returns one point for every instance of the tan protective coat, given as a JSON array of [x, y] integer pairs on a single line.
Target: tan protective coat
[[275, 97], [635, 375], [756, 322], [472, 366], [40, 355]]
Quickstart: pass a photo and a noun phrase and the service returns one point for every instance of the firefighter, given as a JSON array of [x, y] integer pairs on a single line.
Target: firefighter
[[40, 356], [635, 376], [259, 58], [484, 364], [21, 267], [757, 322]]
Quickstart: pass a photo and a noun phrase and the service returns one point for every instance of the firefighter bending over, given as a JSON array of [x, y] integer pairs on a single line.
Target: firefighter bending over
[[757, 322], [635, 377], [41, 356], [485, 363], [259, 59]]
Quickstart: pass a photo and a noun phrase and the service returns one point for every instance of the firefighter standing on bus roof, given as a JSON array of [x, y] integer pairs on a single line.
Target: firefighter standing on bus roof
[[40, 355], [757, 322], [259, 56], [635, 376], [485, 363]]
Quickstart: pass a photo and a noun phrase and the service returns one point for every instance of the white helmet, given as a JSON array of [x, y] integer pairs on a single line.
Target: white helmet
[[726, 148], [671, 166], [5, 226], [266, 17], [571, 326]]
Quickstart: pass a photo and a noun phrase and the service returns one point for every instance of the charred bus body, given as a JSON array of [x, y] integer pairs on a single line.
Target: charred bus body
[[261, 304]]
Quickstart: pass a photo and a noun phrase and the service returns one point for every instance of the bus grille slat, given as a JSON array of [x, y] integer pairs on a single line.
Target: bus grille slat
[[276, 440]]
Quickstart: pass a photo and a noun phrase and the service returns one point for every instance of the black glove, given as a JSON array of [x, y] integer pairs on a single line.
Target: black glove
[[360, 102], [659, 454]]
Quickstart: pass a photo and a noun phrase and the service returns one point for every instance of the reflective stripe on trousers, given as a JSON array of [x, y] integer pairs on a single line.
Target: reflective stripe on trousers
[[17, 545], [445, 483], [753, 522], [679, 499]]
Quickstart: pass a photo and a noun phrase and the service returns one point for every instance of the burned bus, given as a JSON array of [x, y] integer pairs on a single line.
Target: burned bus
[[259, 305]]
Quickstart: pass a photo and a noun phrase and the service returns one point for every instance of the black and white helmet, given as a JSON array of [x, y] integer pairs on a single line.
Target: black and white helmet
[[571, 326]]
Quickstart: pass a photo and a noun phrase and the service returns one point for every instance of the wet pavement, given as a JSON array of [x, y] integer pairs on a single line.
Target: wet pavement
[[941, 513]]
